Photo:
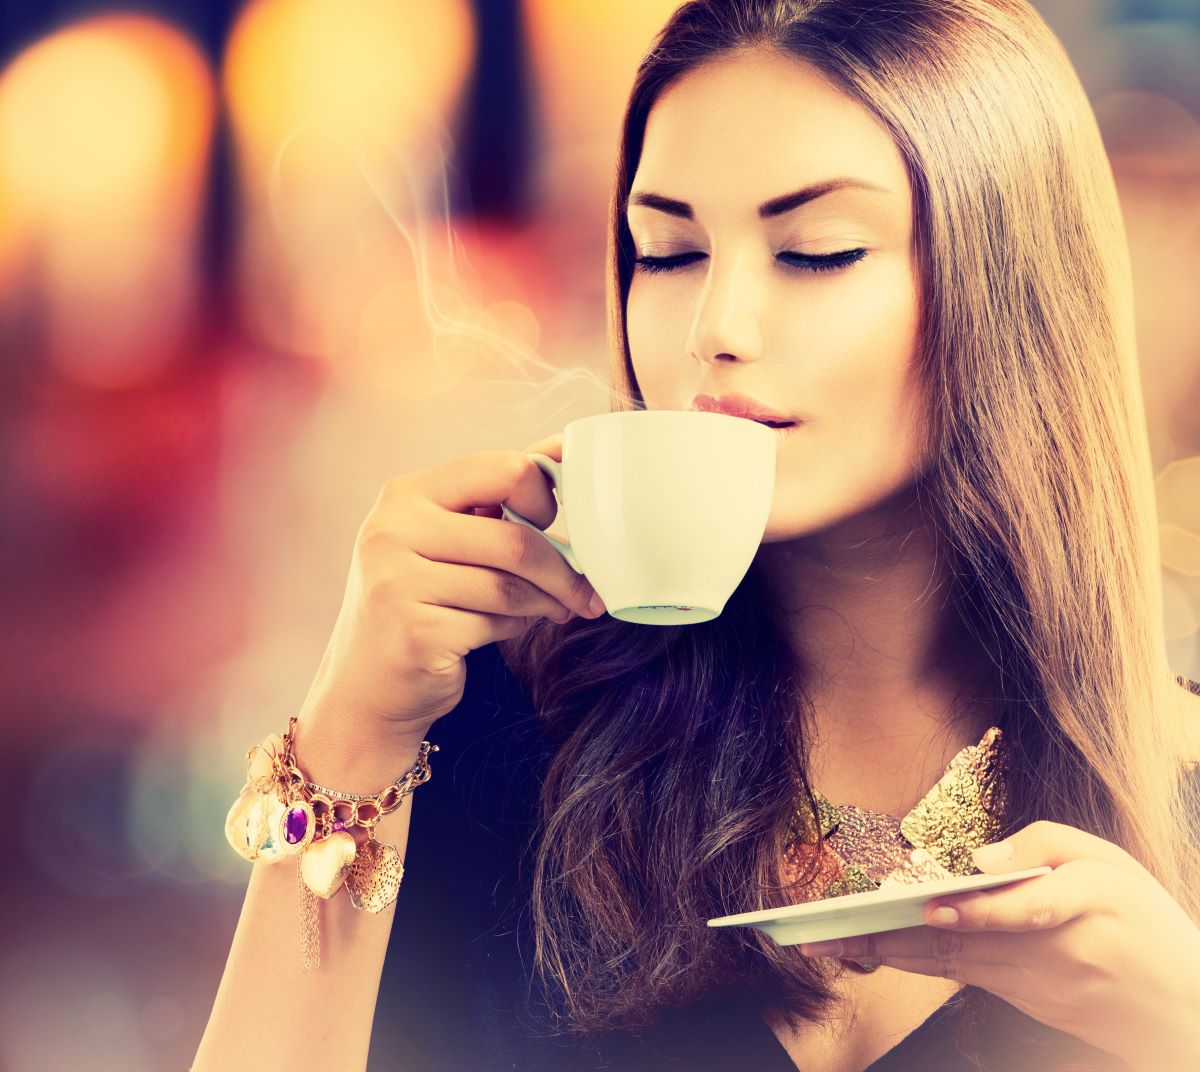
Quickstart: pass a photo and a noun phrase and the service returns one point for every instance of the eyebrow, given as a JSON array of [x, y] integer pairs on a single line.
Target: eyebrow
[[777, 206]]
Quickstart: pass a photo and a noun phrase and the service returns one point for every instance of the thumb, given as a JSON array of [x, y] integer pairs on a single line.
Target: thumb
[[1045, 843], [551, 446], [997, 857]]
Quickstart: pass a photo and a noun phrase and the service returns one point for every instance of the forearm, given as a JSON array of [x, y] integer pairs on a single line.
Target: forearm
[[269, 1014], [1176, 1047], [1179, 1053]]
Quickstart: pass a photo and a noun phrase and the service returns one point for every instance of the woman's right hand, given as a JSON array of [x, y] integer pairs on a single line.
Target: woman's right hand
[[437, 572]]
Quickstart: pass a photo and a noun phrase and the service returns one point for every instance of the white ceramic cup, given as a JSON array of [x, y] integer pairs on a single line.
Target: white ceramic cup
[[664, 509]]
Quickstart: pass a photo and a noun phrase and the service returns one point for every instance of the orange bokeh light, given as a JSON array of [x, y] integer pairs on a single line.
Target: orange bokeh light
[[339, 124], [387, 66], [104, 135]]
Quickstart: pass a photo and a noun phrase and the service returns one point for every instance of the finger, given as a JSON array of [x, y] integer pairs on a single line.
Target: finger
[[471, 629], [1069, 892], [1054, 844], [934, 943], [982, 960], [486, 478], [501, 545], [487, 591], [1004, 980], [551, 446], [533, 498]]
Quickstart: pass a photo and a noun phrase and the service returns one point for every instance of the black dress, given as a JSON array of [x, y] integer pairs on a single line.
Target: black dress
[[456, 990]]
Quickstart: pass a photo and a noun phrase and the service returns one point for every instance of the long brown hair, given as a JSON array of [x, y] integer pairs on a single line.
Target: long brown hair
[[681, 752]]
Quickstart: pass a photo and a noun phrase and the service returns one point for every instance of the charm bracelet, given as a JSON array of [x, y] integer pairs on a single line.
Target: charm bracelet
[[279, 814]]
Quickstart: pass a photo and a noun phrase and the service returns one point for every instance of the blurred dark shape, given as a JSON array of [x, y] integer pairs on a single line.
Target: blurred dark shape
[[23, 22], [491, 173]]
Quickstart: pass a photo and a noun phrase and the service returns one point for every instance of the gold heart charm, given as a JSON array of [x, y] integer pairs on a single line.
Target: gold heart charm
[[247, 826], [323, 864], [374, 878], [272, 850], [261, 754]]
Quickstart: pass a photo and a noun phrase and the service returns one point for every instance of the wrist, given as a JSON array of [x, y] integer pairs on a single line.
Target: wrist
[[1173, 1050], [335, 754]]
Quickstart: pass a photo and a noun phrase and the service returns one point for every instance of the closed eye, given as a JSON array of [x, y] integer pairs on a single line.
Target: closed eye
[[807, 262]]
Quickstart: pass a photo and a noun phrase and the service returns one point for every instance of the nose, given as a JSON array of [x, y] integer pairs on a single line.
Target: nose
[[726, 324]]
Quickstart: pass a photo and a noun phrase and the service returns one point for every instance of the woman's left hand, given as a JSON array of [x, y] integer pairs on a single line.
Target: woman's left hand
[[1096, 947]]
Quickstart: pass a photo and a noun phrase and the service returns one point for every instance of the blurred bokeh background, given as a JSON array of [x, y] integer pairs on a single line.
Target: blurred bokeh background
[[256, 258]]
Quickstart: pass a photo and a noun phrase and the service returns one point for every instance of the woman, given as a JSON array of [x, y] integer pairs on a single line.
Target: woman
[[962, 539]]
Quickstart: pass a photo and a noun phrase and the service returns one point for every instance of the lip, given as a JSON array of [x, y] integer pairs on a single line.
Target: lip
[[736, 405]]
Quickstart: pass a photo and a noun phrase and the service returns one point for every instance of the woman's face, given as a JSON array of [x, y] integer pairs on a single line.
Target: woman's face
[[743, 311]]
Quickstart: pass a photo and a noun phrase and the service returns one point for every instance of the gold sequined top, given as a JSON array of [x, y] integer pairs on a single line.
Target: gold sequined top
[[868, 850]]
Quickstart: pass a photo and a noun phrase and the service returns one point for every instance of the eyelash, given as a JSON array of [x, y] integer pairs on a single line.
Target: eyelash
[[804, 261]]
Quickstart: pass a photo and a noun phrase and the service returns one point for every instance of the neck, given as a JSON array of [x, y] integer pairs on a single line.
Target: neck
[[867, 609]]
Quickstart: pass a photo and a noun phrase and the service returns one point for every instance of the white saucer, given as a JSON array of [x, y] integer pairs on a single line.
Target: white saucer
[[863, 913]]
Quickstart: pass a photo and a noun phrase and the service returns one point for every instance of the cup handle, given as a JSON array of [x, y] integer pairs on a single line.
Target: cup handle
[[553, 470]]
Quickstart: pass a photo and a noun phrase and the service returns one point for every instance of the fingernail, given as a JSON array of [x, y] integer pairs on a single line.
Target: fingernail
[[820, 949], [596, 606], [993, 854], [944, 915]]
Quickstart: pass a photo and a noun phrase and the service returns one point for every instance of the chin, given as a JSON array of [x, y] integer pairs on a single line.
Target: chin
[[782, 529], [817, 519]]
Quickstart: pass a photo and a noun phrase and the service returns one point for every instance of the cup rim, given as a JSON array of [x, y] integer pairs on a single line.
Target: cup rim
[[676, 413]]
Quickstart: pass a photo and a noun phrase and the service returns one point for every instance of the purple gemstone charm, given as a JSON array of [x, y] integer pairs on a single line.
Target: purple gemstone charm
[[296, 825], [339, 824]]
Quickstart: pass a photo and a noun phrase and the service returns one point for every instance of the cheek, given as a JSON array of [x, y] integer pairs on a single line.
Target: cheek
[[869, 419], [657, 331], [866, 376], [845, 356]]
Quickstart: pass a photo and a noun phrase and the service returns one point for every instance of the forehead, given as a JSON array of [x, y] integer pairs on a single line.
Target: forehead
[[754, 124]]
